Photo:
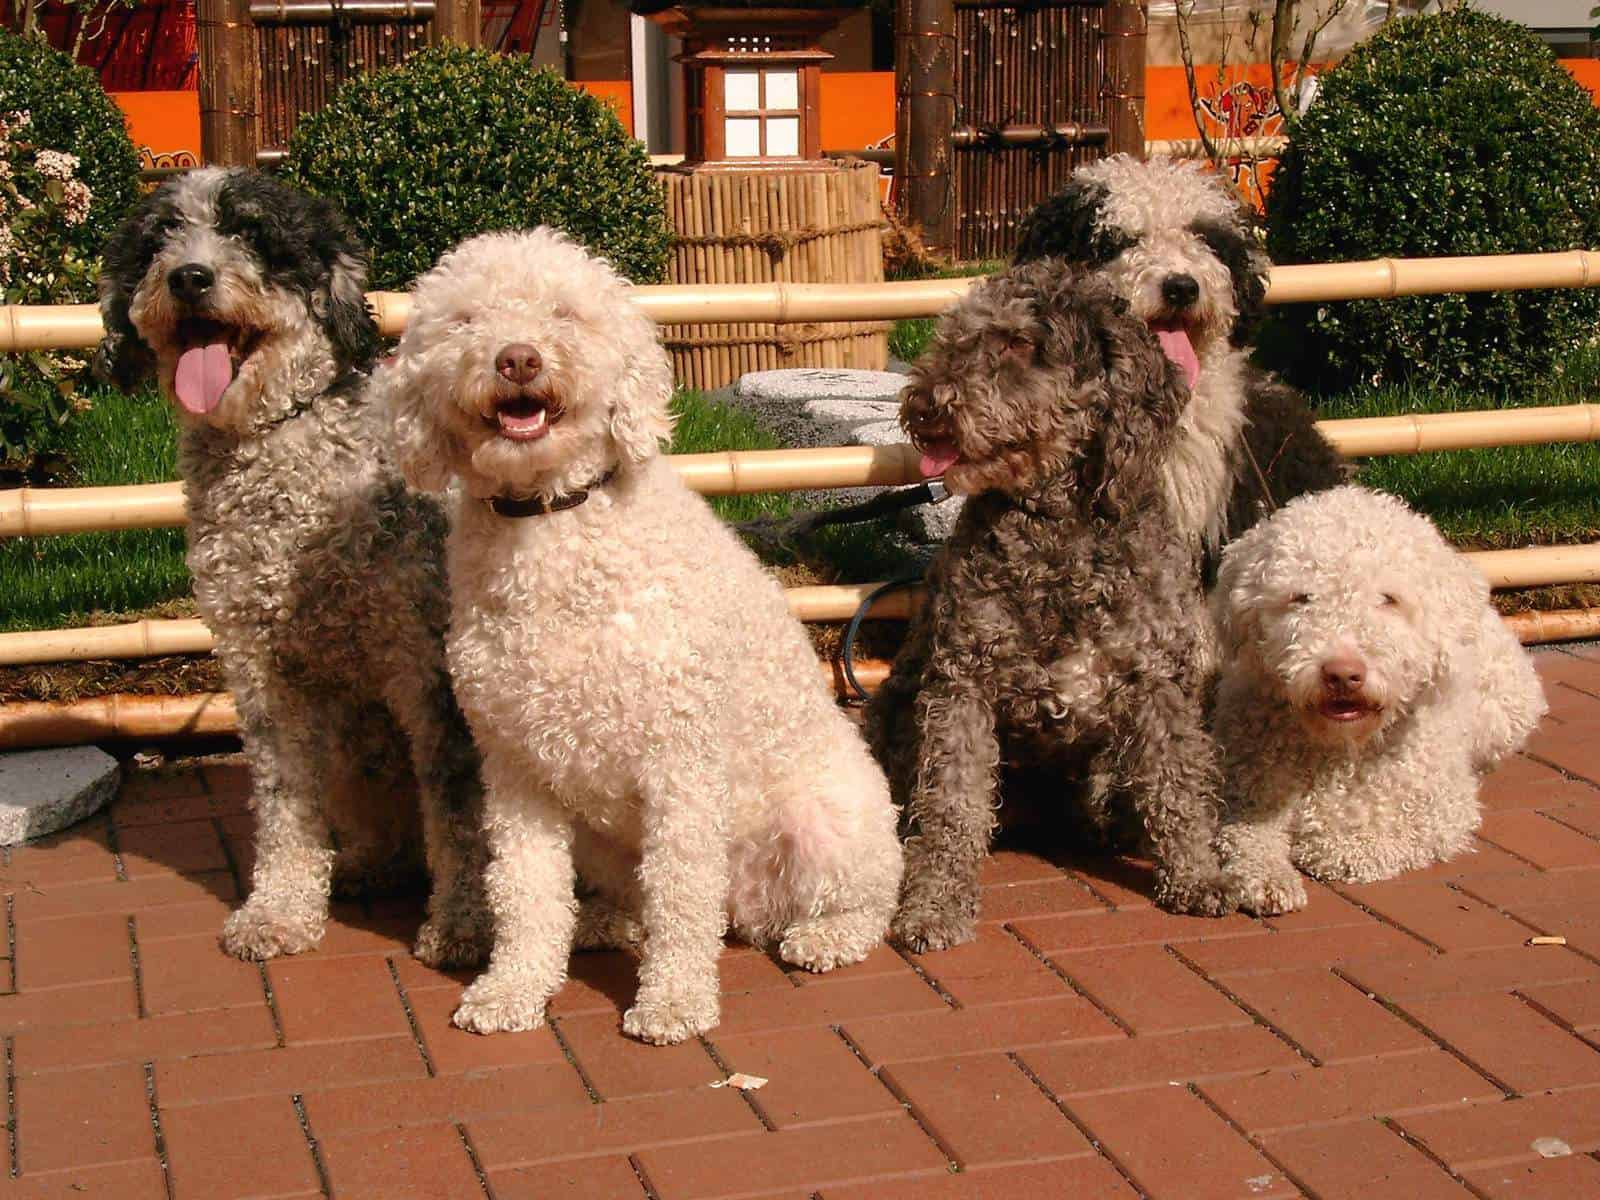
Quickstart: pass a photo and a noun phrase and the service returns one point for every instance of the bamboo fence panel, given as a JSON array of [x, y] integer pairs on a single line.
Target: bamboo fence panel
[[765, 229], [77, 326]]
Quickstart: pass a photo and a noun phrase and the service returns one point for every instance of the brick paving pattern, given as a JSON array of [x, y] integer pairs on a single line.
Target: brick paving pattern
[[1392, 1040]]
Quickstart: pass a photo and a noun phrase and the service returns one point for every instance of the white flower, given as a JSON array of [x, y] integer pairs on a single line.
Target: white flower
[[55, 164], [8, 250], [75, 201]]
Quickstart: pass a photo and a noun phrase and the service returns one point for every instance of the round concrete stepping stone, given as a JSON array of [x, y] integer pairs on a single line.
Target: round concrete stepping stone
[[827, 406], [42, 791]]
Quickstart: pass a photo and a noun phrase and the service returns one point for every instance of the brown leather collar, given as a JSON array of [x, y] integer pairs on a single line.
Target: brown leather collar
[[533, 506]]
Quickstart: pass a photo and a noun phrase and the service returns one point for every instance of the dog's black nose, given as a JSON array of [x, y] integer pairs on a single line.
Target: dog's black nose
[[191, 282], [518, 363], [1180, 291]]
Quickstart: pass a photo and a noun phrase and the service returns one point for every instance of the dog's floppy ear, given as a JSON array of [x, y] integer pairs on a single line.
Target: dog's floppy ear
[[423, 449], [1143, 397], [351, 327], [122, 357], [1238, 246], [1068, 225], [640, 417], [343, 302]]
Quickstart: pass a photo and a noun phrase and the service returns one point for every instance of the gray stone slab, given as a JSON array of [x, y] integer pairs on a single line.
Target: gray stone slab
[[815, 406], [42, 791]]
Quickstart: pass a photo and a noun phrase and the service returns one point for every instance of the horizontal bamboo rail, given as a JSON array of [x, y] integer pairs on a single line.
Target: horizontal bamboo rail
[[71, 723], [1365, 436], [30, 512], [77, 326], [37, 511], [1531, 567], [28, 724]]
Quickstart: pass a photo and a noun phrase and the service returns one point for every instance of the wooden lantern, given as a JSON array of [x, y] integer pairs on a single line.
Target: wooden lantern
[[753, 77]]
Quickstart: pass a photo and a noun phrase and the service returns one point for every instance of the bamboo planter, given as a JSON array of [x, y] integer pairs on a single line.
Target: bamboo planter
[[820, 223]]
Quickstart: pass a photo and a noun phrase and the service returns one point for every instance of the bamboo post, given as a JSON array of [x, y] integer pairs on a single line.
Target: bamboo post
[[229, 83], [459, 21], [925, 113], [1122, 89]]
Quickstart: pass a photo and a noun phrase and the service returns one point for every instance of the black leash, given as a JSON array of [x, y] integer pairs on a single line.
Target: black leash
[[777, 533], [847, 653]]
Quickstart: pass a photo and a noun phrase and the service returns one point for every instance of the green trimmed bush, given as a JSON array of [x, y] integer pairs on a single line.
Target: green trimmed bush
[[1449, 134], [68, 172], [456, 142]]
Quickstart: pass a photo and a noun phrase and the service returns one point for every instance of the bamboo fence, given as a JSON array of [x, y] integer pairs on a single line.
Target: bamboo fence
[[77, 326], [37, 511], [1530, 567], [211, 713], [32, 512]]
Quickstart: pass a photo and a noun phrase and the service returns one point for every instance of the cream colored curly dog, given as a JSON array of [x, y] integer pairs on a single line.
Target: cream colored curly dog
[[648, 710], [1366, 686]]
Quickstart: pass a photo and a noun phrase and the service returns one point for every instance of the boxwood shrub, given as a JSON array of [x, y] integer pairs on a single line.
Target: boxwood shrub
[[456, 142], [1446, 134]]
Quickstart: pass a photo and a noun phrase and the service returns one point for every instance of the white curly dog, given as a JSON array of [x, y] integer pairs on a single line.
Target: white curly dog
[[1367, 684], [648, 710]]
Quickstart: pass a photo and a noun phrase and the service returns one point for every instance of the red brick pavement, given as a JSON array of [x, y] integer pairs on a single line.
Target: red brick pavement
[[1394, 1040]]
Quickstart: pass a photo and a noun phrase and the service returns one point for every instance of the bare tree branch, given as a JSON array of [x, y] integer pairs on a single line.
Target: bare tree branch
[[1186, 49]]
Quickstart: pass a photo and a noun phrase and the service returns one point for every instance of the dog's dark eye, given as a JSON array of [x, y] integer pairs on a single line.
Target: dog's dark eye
[[1389, 600], [1020, 345], [1300, 598]]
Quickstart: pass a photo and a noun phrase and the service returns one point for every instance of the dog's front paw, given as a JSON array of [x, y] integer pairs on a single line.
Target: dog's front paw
[[259, 931], [498, 1004], [444, 942], [920, 928], [1196, 895], [666, 1020], [1277, 891]]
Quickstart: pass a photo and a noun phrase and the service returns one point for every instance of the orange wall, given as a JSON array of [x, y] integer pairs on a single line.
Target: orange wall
[[164, 126], [857, 109], [616, 92]]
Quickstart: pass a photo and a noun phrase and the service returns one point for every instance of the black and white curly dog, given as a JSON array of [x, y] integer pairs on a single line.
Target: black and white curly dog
[[1177, 244], [320, 574], [1058, 633]]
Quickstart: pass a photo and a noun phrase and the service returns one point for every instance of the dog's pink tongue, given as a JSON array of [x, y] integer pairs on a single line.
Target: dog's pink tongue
[[204, 373], [938, 459], [1176, 345]]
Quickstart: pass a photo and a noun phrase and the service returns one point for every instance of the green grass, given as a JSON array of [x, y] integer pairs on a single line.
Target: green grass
[[1500, 497], [50, 582]]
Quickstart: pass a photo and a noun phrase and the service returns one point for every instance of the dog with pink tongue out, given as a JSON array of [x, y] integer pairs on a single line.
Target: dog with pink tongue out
[[1054, 663], [319, 573]]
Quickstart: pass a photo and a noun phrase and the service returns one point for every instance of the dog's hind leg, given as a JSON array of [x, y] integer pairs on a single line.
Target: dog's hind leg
[[458, 930], [683, 881], [952, 817], [287, 910]]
